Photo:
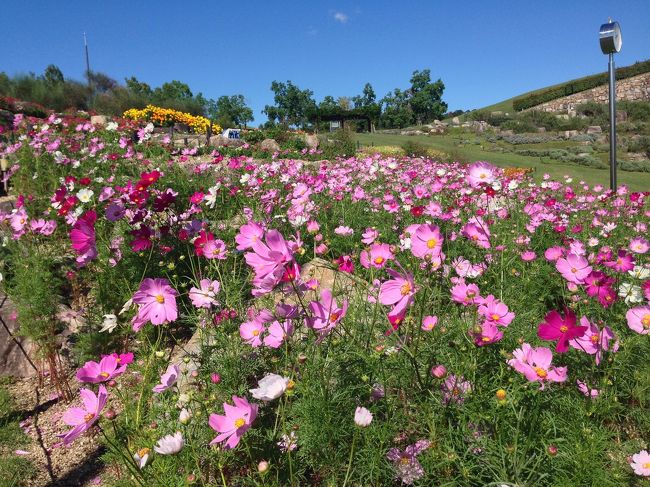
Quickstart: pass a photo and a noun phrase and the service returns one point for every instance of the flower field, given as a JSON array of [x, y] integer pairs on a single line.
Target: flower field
[[370, 320]]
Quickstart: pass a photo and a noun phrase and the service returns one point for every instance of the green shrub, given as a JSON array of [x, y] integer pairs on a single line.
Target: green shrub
[[414, 148], [339, 143], [253, 136]]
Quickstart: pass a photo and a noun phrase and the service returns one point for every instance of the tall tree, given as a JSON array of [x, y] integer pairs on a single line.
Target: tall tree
[[426, 97], [292, 105], [367, 97], [230, 110], [53, 75], [173, 90], [397, 112], [138, 87]]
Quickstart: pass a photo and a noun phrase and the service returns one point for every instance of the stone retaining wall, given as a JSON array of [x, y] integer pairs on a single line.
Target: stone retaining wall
[[636, 88]]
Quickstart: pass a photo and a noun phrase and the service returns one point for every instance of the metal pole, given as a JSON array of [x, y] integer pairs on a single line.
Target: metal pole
[[612, 124]]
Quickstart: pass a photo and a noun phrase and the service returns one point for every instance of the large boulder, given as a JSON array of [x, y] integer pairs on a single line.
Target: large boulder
[[311, 141], [269, 145], [594, 129]]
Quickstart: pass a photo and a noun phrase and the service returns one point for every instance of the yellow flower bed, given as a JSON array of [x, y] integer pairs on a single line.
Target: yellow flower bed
[[165, 116]]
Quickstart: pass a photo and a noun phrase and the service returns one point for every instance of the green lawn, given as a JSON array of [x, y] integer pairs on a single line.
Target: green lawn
[[637, 181]]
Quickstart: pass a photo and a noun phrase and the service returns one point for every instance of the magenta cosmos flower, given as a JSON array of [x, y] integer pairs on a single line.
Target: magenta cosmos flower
[[82, 236], [157, 300], [108, 368], [205, 295], [272, 261], [477, 231], [232, 426], [325, 314], [427, 242], [465, 294], [535, 365], [594, 341], [277, 333], [638, 319], [83, 418], [561, 329], [398, 291], [248, 234], [574, 268]]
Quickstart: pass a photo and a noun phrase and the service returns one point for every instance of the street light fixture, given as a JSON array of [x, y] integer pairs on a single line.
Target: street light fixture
[[610, 43]]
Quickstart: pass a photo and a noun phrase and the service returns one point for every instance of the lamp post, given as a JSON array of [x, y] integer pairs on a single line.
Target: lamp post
[[610, 43]]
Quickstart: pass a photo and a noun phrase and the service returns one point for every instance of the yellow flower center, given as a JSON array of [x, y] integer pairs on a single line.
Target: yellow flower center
[[495, 317], [291, 384], [485, 339], [564, 328], [405, 289], [379, 260], [334, 317], [455, 391], [104, 374], [22, 221], [594, 339], [256, 332], [88, 417], [474, 237], [160, 298], [431, 243], [646, 465], [645, 321], [483, 175], [143, 451], [541, 372], [239, 422], [574, 270], [405, 460]]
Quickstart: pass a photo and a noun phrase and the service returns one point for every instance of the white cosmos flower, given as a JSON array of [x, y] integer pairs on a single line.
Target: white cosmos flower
[[362, 417], [270, 387], [141, 457], [170, 444], [127, 306], [211, 197], [639, 272], [185, 416], [631, 293], [85, 195], [110, 322], [512, 185], [111, 126]]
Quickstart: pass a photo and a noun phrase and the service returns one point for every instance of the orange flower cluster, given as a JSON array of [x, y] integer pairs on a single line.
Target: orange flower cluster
[[166, 116]]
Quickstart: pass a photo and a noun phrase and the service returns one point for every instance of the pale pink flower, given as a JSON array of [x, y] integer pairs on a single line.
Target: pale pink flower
[[236, 421], [168, 379], [205, 295], [82, 419]]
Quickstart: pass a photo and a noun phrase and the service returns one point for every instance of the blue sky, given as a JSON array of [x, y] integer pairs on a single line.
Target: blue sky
[[484, 51]]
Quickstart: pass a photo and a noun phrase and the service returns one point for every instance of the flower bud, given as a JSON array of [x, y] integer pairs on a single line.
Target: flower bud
[[110, 414], [438, 371], [501, 394], [552, 450], [263, 467], [215, 378]]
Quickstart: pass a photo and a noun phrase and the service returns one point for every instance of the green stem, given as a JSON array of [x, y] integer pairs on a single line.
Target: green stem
[[347, 473]]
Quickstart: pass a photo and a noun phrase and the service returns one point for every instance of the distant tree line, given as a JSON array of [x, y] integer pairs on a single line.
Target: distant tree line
[[105, 95], [418, 104]]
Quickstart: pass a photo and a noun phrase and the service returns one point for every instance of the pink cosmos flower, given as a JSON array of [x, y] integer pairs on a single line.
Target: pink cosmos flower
[[639, 245], [108, 368], [82, 236], [248, 234], [369, 236], [82, 419], [561, 329], [215, 249], [236, 421], [345, 264], [271, 260], [454, 389], [427, 242], [343, 231], [398, 291], [201, 241], [638, 319], [407, 466], [325, 314], [641, 463], [477, 231], [495, 311], [429, 323], [624, 262], [480, 173], [377, 256], [465, 294], [168, 379], [205, 295], [584, 388], [277, 333], [573, 268], [594, 341], [253, 330], [535, 365], [157, 300], [554, 253], [489, 333], [528, 256]]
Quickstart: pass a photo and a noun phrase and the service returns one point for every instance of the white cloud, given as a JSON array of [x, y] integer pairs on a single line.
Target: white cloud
[[340, 17]]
